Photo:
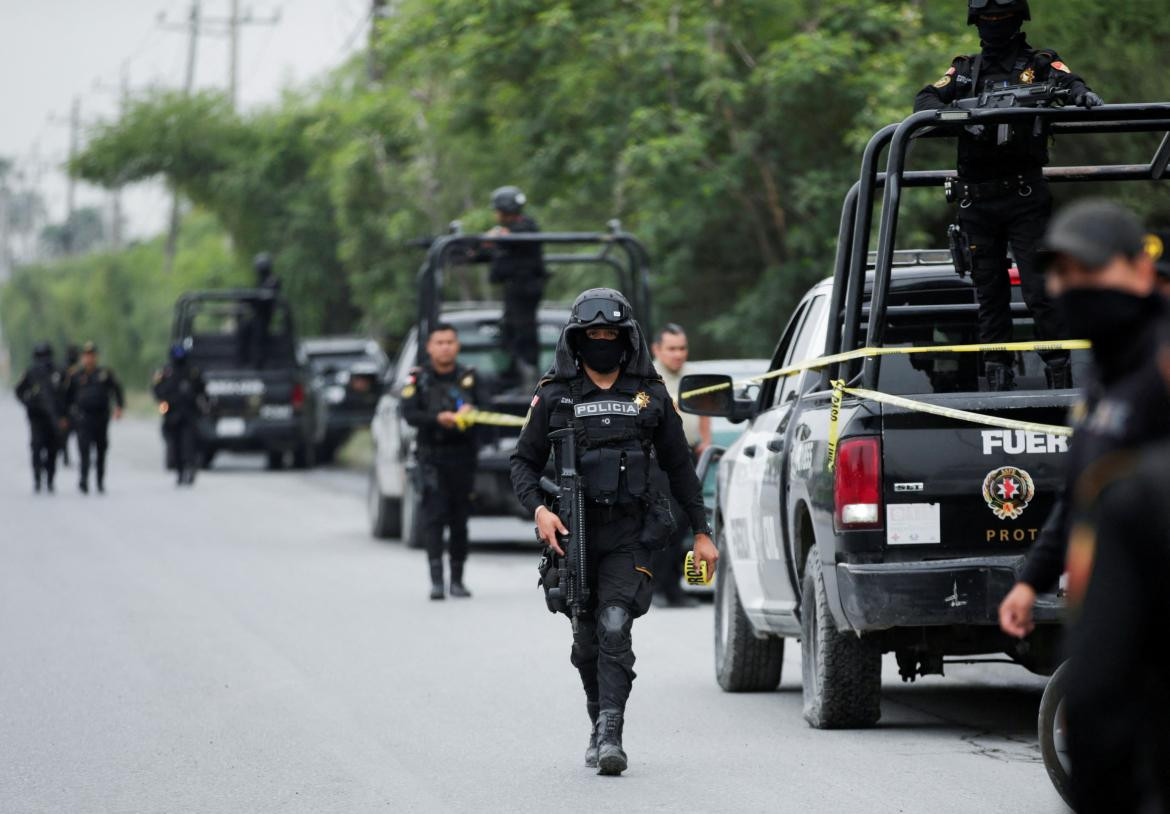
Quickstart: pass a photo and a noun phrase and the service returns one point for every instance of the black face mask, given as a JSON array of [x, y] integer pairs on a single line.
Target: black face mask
[[998, 33], [602, 355], [1106, 317]]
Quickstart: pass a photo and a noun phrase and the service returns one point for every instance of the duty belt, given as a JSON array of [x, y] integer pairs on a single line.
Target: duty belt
[[967, 192], [607, 514]]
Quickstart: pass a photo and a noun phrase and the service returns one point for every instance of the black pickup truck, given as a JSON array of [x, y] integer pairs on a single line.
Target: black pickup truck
[[908, 544], [258, 385]]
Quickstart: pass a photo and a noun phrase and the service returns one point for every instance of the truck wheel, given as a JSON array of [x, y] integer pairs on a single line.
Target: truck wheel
[[1053, 729], [842, 673], [275, 460], [744, 662], [206, 457], [385, 513], [409, 521]]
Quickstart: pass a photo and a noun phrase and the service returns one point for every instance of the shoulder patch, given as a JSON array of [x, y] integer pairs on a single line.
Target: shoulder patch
[[942, 83], [535, 400], [1060, 66], [409, 389]]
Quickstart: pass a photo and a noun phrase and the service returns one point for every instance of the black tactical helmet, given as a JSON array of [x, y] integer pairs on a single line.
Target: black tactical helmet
[[42, 351], [977, 7], [509, 200], [607, 307], [262, 263]]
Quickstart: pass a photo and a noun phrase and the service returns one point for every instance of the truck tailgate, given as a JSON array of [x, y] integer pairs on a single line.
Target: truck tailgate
[[962, 488]]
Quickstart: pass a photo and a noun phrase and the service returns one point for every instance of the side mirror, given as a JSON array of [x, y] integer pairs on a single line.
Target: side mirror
[[706, 394], [715, 397]]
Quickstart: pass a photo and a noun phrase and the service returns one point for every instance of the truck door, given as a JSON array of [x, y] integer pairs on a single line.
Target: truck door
[[772, 439]]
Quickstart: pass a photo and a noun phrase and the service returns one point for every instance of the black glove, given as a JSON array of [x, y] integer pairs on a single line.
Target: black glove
[[1088, 99]]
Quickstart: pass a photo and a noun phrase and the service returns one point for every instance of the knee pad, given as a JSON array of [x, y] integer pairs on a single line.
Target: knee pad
[[613, 628]]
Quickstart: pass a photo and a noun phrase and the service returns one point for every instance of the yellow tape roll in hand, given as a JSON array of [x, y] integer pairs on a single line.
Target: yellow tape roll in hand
[[473, 418], [695, 576]]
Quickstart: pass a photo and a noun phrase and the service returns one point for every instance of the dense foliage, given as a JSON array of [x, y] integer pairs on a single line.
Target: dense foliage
[[723, 133]]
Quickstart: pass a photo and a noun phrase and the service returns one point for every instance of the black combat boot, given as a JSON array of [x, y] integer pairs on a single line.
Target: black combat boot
[[84, 487], [1059, 374], [1000, 376], [457, 589], [611, 758], [437, 579], [591, 751], [37, 483]]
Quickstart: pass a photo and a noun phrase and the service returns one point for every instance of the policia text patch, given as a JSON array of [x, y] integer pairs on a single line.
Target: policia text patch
[[593, 408]]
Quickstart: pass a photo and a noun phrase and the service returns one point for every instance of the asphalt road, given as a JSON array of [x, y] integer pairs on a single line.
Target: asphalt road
[[245, 646]]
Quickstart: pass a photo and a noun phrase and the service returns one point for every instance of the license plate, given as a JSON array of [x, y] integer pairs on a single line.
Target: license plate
[[230, 427], [276, 412]]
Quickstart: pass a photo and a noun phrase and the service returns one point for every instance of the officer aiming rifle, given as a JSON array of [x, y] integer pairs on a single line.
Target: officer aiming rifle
[[1002, 195]]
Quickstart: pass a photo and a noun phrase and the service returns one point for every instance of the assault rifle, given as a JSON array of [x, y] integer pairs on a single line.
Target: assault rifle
[[1036, 94], [568, 592]]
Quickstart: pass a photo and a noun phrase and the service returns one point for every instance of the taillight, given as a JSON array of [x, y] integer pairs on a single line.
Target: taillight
[[857, 489], [298, 396], [1014, 275]]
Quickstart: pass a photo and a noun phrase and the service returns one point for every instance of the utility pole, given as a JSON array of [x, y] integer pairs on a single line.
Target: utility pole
[[192, 29], [377, 14], [71, 181], [233, 23]]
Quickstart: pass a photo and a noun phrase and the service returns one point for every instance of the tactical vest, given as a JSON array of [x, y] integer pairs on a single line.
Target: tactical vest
[[440, 396], [614, 430]]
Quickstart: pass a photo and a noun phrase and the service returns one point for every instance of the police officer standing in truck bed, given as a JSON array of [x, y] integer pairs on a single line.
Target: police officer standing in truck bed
[[1003, 197]]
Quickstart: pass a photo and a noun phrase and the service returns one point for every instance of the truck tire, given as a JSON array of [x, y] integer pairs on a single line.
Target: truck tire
[[385, 513], [1053, 733], [206, 456], [744, 662], [275, 460], [842, 672], [409, 515]]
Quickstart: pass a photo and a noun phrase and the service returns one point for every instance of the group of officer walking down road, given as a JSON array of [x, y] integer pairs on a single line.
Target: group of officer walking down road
[[78, 399]]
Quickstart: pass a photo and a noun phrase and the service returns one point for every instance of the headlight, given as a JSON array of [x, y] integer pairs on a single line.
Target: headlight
[[335, 394]]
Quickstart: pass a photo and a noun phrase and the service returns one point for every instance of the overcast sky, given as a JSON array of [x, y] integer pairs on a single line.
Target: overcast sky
[[53, 50]]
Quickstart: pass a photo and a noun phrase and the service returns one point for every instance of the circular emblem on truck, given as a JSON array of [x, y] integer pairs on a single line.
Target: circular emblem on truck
[[1008, 491]]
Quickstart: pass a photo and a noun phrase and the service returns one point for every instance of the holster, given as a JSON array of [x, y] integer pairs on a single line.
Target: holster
[[549, 569], [960, 246]]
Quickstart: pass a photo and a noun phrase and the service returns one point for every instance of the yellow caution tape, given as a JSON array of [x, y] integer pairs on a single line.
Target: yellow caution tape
[[695, 576], [473, 418], [866, 353], [839, 389]]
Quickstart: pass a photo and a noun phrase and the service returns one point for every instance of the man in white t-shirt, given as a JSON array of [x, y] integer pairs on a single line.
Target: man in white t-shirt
[[670, 358]]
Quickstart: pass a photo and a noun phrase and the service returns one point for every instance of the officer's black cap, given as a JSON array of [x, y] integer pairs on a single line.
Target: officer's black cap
[[977, 7], [89, 347], [1093, 232]]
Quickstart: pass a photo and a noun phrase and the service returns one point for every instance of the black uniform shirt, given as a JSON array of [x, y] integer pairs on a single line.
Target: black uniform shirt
[[91, 392], [428, 393], [1128, 407], [40, 390], [518, 263], [181, 387], [980, 158], [669, 440]]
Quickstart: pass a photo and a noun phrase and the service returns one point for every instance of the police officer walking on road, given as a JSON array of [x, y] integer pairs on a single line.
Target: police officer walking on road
[[1003, 197], [182, 398], [602, 367], [519, 267], [40, 391], [1102, 275], [88, 394], [433, 400]]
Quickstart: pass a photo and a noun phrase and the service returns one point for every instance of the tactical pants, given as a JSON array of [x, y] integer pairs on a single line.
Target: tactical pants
[[44, 441], [93, 431], [447, 482], [518, 327], [621, 587], [992, 224], [182, 445]]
